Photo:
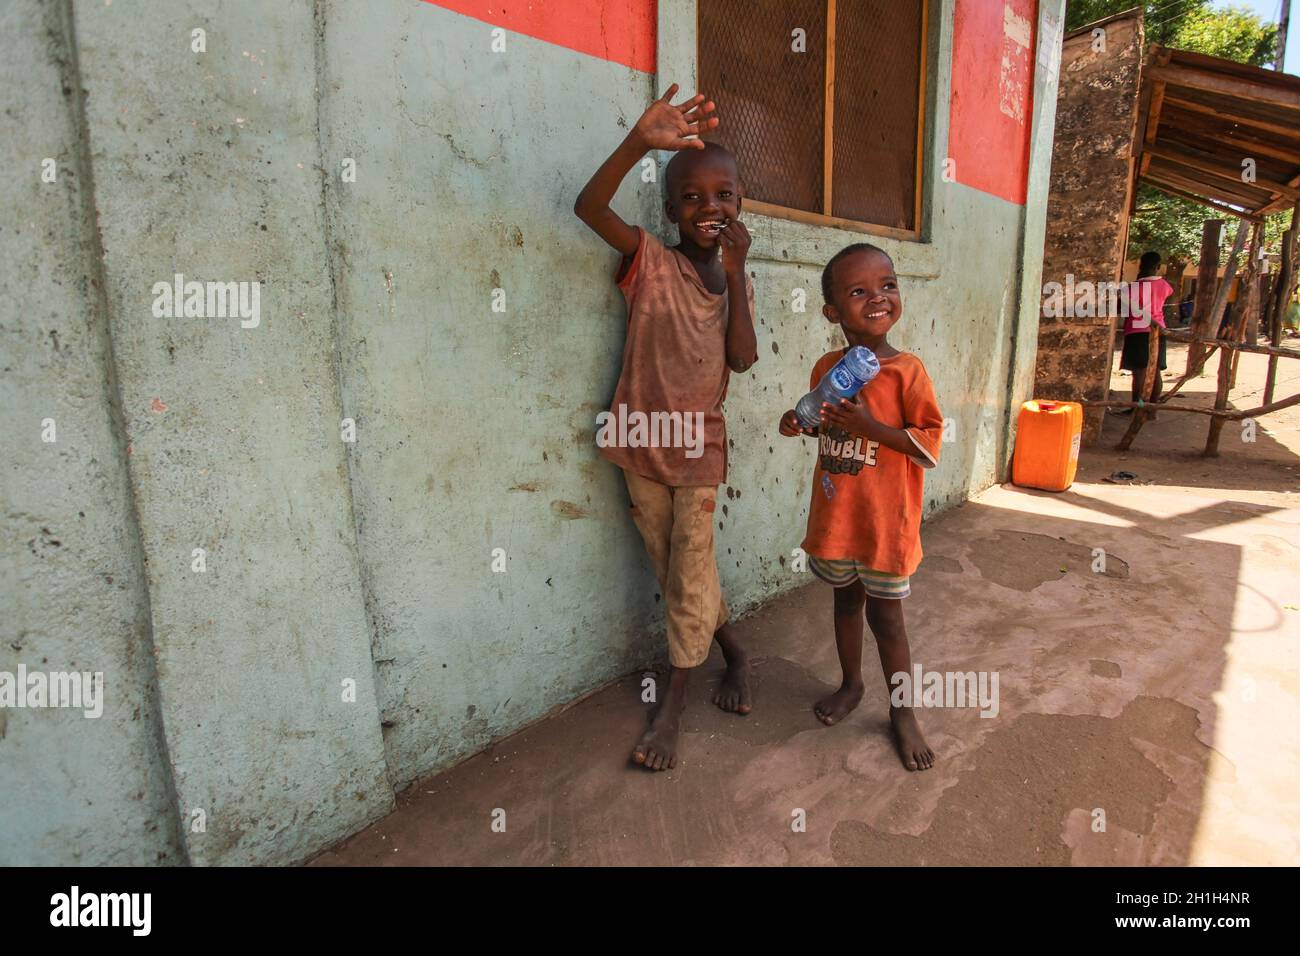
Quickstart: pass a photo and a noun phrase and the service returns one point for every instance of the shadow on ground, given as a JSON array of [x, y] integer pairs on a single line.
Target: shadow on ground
[[1169, 449], [1121, 735]]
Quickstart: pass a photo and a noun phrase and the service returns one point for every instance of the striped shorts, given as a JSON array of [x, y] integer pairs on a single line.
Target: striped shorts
[[877, 583]]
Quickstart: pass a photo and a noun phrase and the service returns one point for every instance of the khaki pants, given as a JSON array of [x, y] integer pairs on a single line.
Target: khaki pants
[[677, 527]]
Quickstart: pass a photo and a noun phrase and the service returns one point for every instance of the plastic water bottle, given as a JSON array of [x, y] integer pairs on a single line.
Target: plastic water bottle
[[844, 380]]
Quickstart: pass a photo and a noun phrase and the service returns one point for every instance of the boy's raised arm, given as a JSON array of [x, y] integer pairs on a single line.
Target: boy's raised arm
[[662, 126]]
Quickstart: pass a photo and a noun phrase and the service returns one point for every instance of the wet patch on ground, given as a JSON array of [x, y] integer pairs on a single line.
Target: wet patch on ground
[[942, 564], [1027, 780], [1100, 668], [1024, 560], [780, 689]]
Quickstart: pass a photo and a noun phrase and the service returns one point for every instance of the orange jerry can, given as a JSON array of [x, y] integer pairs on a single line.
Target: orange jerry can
[[1047, 445]]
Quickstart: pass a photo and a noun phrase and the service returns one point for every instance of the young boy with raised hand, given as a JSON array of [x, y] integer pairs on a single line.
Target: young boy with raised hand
[[864, 523], [690, 323]]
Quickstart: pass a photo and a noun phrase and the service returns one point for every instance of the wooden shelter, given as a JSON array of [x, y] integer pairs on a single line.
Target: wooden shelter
[[1220, 133], [1225, 135]]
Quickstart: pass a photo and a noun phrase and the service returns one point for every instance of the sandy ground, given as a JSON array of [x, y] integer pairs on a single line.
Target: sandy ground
[[1146, 713]]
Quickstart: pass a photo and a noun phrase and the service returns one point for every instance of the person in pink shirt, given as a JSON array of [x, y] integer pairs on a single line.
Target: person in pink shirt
[[1146, 303]]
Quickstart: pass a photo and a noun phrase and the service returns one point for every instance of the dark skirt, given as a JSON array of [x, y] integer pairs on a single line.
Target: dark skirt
[[1137, 349]]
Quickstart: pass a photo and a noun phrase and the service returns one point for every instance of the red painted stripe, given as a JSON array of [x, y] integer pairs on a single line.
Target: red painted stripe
[[621, 31], [991, 114]]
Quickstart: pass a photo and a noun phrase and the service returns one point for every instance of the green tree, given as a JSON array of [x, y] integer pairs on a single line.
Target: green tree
[[1170, 225], [1163, 18], [1233, 34]]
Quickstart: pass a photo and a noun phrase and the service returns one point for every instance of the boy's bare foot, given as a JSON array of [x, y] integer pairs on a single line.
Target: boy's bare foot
[[912, 748], [733, 694], [657, 748], [833, 708]]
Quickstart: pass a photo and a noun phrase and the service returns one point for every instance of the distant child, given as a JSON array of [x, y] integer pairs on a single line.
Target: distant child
[[690, 323], [864, 525], [1146, 303]]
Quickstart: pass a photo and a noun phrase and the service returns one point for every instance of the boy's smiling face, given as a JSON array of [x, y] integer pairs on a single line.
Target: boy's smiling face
[[865, 300], [703, 195]]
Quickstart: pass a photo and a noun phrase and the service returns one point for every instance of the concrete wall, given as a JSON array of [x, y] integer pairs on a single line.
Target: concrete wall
[[1088, 203], [369, 562], [72, 789]]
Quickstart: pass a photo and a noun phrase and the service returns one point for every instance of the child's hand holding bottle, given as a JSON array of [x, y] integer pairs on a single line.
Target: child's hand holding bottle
[[790, 426]]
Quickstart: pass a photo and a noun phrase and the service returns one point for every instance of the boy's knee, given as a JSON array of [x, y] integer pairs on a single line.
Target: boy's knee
[[850, 598], [885, 615]]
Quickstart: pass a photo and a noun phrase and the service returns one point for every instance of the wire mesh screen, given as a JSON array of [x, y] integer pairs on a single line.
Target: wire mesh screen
[[877, 64], [771, 97]]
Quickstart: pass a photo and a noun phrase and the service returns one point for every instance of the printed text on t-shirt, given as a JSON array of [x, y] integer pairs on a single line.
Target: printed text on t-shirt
[[842, 453]]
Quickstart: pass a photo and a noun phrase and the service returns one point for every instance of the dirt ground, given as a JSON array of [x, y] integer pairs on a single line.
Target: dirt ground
[[1147, 709]]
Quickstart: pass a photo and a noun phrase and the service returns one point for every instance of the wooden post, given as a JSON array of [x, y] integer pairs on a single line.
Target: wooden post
[[1220, 403], [1207, 271], [1211, 328], [1256, 301], [1272, 289], [1153, 369], [1282, 299], [1174, 276], [1239, 313], [1234, 334], [1248, 311]]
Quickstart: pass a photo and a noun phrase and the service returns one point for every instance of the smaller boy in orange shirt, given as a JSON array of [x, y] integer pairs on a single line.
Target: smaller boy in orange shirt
[[864, 525]]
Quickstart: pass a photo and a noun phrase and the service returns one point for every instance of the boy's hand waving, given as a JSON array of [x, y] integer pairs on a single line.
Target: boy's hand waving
[[664, 126]]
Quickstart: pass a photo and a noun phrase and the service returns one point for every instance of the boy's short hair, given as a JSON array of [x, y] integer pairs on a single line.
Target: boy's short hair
[[829, 271], [683, 158], [1150, 260]]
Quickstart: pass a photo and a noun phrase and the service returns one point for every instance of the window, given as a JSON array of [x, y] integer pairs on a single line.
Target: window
[[822, 102]]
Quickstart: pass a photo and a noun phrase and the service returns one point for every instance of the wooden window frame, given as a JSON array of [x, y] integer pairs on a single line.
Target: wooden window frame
[[777, 211]]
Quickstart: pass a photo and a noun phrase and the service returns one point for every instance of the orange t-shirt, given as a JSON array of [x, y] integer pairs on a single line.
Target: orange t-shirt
[[867, 498], [665, 421]]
